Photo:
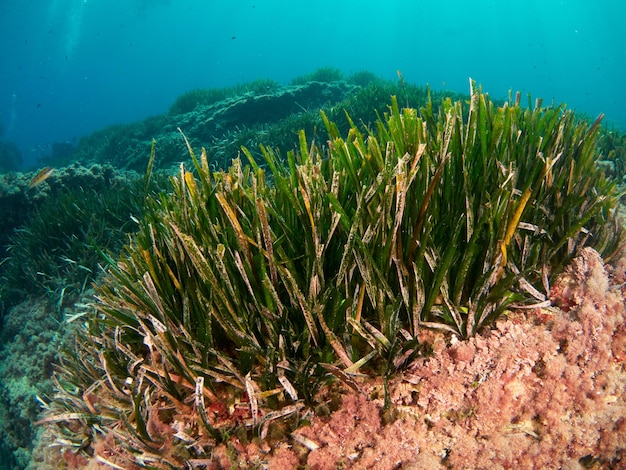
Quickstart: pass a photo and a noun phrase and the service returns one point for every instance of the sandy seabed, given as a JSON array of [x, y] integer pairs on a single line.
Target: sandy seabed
[[544, 389]]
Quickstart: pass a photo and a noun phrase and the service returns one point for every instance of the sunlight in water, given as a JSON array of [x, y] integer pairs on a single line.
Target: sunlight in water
[[68, 15]]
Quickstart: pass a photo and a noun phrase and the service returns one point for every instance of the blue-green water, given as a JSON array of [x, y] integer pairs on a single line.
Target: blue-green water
[[69, 67]]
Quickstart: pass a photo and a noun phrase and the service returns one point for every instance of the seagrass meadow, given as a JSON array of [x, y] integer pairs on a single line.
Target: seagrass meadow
[[247, 290]]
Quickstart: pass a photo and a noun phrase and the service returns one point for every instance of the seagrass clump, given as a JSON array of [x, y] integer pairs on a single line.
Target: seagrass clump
[[246, 289]]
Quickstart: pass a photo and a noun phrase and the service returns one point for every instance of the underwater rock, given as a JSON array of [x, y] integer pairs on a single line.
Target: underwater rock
[[61, 153], [249, 110], [128, 146], [10, 157]]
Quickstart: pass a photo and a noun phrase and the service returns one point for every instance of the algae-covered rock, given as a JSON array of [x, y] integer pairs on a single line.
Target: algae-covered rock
[[128, 146]]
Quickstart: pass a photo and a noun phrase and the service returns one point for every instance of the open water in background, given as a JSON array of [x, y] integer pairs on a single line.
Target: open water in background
[[69, 67]]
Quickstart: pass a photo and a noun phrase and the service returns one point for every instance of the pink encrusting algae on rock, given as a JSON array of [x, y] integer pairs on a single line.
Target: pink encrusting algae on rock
[[540, 390]]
